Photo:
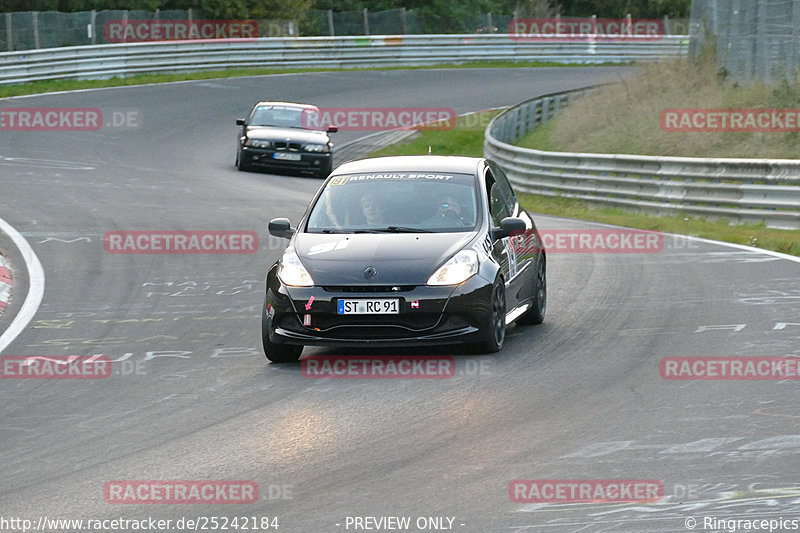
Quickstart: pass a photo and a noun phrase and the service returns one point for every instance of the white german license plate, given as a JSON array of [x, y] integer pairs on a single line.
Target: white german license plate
[[377, 306], [287, 156]]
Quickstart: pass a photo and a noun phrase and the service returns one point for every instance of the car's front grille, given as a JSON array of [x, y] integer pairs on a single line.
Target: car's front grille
[[369, 288], [283, 145]]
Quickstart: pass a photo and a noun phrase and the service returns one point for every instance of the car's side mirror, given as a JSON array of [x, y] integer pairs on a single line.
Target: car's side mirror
[[508, 226], [333, 129], [240, 122], [281, 227]]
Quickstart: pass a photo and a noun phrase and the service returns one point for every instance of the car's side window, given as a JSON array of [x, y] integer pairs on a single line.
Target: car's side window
[[498, 202], [508, 192]]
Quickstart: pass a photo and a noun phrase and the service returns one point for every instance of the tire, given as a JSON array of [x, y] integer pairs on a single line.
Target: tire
[[324, 172], [277, 353], [535, 315], [240, 163], [496, 325]]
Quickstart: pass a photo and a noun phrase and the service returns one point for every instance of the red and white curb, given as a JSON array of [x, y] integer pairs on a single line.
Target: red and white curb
[[33, 298], [5, 283]]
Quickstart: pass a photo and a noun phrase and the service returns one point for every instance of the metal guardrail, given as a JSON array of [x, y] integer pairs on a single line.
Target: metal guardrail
[[742, 190], [120, 60]]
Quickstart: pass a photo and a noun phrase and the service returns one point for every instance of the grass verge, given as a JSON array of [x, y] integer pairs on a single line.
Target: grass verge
[[466, 138]]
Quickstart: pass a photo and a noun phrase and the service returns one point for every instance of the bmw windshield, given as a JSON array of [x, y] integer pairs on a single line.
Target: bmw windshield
[[281, 116], [396, 202]]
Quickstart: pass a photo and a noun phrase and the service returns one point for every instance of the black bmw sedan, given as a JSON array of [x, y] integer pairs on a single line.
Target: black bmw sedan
[[283, 136], [405, 251]]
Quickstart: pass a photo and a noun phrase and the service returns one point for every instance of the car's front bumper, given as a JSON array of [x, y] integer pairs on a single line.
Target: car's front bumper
[[312, 162], [428, 315]]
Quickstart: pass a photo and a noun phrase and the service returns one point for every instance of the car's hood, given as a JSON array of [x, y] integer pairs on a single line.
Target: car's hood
[[397, 258], [268, 133]]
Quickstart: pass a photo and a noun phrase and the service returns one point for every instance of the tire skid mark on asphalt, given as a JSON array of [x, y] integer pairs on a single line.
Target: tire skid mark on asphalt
[[29, 162]]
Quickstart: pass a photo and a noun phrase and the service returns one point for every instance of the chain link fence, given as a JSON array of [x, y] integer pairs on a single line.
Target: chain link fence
[[51, 29], [753, 39]]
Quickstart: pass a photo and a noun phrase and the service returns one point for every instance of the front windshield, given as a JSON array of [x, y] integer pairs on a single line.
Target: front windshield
[[280, 116], [396, 202]]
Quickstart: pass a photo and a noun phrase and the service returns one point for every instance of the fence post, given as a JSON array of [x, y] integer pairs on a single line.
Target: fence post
[[35, 24], [762, 55], [666, 25], [366, 21], [92, 22], [490, 21], [330, 23], [792, 60], [125, 25], [403, 19], [9, 33]]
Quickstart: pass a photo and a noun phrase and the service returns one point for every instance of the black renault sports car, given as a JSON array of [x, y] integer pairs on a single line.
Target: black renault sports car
[[282, 136], [405, 251]]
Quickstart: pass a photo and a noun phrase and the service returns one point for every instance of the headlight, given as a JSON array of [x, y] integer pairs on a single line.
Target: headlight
[[458, 269], [292, 272], [317, 148], [257, 143]]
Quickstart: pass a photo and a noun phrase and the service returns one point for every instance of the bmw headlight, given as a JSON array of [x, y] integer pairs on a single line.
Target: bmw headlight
[[257, 143], [318, 148], [457, 269], [292, 272]]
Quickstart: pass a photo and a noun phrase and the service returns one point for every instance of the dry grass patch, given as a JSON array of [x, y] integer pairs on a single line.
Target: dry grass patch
[[625, 117]]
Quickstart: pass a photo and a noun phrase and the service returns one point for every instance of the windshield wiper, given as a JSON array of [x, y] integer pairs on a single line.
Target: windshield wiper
[[400, 229]]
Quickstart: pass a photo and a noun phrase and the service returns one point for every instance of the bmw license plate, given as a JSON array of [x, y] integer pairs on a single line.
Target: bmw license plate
[[378, 306], [287, 156]]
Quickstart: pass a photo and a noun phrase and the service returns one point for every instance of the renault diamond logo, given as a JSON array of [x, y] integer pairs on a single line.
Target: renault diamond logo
[[370, 272]]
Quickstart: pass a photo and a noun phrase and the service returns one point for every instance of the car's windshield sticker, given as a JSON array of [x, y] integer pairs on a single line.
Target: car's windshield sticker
[[341, 180]]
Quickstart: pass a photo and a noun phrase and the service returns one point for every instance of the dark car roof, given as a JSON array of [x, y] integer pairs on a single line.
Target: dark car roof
[[416, 163]]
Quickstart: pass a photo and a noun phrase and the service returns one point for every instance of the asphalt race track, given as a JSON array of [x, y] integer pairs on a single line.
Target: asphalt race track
[[192, 397]]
